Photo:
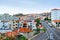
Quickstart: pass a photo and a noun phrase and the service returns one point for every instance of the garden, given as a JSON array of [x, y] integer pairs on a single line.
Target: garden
[[12, 37]]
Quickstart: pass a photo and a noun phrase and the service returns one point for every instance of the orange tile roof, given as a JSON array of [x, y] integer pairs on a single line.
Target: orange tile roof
[[15, 32], [11, 34], [56, 20], [25, 30]]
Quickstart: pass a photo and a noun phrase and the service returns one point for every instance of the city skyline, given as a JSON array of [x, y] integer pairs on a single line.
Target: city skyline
[[27, 6]]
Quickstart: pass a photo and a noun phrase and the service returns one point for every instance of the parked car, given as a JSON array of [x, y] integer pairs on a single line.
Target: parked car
[[50, 24]]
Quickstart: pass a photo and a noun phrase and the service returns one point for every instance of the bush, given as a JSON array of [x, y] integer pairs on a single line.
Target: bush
[[3, 34], [21, 38], [44, 29], [7, 38], [38, 30]]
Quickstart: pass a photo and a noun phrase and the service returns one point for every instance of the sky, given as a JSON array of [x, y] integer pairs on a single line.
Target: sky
[[27, 6]]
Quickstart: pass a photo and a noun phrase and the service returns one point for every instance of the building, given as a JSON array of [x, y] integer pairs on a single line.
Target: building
[[21, 16], [28, 16], [34, 16], [55, 17], [45, 14], [31, 24], [6, 21]]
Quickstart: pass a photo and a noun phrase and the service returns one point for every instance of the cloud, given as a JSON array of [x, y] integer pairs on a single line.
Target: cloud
[[14, 10], [25, 6]]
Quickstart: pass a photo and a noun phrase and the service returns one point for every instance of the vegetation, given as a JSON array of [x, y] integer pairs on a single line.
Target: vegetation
[[46, 19], [8, 38], [44, 29], [38, 21], [37, 24], [22, 38], [37, 31], [18, 37]]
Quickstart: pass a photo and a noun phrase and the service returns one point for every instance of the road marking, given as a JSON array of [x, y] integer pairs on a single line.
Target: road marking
[[52, 31]]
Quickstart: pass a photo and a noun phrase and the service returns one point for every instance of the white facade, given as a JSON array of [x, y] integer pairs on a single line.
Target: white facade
[[7, 25], [55, 14], [55, 17], [32, 25], [7, 20]]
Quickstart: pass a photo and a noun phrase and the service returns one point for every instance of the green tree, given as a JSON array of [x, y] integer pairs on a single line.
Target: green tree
[[38, 21], [21, 38], [44, 29], [46, 19]]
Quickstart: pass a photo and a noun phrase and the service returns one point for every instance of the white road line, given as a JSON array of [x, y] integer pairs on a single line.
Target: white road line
[[54, 33]]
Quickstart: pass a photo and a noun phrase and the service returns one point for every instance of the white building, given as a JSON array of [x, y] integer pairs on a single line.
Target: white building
[[32, 24], [7, 21], [55, 17]]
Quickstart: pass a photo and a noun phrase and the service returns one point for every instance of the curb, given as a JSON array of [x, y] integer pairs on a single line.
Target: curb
[[34, 36]]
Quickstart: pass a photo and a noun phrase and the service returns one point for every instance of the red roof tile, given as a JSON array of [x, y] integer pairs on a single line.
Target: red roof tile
[[56, 20], [24, 30]]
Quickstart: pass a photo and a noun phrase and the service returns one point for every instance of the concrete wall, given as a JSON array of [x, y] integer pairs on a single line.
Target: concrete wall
[[4, 31], [54, 24], [28, 35]]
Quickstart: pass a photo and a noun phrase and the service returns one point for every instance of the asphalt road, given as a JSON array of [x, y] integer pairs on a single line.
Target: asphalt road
[[42, 36], [45, 36], [55, 31]]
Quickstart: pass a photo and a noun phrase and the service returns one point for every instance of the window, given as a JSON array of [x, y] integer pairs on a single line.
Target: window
[[13, 25], [16, 21], [56, 22], [20, 24], [16, 24], [13, 22], [59, 22], [30, 23], [24, 25]]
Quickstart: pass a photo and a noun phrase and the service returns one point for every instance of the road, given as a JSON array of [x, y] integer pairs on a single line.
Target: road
[[45, 36], [56, 33], [42, 36]]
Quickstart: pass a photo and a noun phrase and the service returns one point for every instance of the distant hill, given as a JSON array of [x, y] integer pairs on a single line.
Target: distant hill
[[20, 14]]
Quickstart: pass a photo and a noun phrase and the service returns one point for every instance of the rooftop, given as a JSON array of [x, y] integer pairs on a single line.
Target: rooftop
[[56, 9], [56, 20]]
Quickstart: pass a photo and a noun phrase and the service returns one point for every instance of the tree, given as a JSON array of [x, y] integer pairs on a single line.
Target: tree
[[47, 19], [38, 21]]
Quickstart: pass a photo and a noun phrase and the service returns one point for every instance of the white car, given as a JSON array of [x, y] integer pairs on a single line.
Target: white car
[[50, 24]]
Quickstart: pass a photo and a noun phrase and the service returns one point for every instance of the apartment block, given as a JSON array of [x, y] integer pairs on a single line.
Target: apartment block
[[55, 17]]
